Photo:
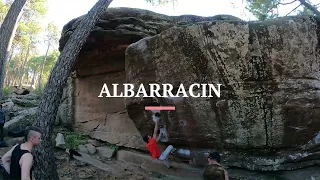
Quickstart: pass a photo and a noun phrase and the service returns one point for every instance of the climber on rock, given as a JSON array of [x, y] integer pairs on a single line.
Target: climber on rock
[[153, 146]]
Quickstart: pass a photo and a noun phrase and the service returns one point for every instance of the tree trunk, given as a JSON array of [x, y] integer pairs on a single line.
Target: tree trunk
[[7, 63], [42, 67], [23, 66], [46, 114], [309, 6], [33, 77], [7, 31], [9, 80], [27, 77]]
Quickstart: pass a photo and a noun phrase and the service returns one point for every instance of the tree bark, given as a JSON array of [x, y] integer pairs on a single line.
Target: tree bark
[[33, 77], [7, 31], [23, 66], [7, 66], [311, 7], [42, 67], [7, 63], [46, 114]]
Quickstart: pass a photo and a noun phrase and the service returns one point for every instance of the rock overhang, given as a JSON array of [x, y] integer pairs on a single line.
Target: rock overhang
[[132, 24], [267, 41], [148, 33]]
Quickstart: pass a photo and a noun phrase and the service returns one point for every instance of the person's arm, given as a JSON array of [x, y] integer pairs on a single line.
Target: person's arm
[[6, 158], [155, 131], [26, 164], [159, 136], [226, 176]]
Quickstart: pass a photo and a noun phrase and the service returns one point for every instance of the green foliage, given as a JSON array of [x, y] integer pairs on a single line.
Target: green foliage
[[74, 139], [35, 9], [35, 62], [50, 62], [7, 90], [27, 33], [53, 33], [305, 11], [268, 9], [29, 26], [161, 2], [38, 91], [112, 146], [263, 9], [4, 8]]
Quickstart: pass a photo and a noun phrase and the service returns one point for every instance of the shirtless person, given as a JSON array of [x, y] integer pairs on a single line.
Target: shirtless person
[[18, 161]]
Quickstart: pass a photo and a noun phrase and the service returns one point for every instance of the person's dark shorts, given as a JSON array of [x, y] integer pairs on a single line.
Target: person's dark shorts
[[3, 173]]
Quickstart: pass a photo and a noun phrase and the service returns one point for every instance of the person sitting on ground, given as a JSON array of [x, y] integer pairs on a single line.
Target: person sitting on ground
[[154, 149], [18, 161], [214, 171]]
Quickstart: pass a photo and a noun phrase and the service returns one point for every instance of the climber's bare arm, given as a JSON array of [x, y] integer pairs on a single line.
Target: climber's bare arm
[[155, 131], [159, 136], [6, 158]]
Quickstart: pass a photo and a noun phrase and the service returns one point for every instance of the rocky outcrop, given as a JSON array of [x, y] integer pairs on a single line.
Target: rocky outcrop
[[21, 91], [20, 111], [267, 116], [102, 60], [65, 114], [269, 103]]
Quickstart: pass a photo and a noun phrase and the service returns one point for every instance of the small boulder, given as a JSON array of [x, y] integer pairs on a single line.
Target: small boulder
[[83, 149], [31, 96], [14, 141], [94, 142], [19, 123], [22, 91], [106, 151], [7, 105], [60, 142], [25, 102], [91, 149]]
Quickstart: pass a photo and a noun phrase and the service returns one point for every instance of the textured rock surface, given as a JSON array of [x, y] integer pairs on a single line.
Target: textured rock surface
[[65, 114], [102, 60], [267, 117], [269, 73], [106, 151]]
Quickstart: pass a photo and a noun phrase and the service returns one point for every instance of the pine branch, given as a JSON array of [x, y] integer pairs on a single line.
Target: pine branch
[[294, 9], [310, 7], [287, 3]]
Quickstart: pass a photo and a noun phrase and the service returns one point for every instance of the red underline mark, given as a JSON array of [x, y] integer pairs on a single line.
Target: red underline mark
[[163, 108]]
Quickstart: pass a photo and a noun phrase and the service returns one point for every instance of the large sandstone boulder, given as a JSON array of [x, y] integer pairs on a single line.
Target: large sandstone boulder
[[267, 116], [270, 99], [102, 60]]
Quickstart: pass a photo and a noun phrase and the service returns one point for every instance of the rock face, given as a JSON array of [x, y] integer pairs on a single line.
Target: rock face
[[65, 114], [267, 117], [102, 60], [270, 99]]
